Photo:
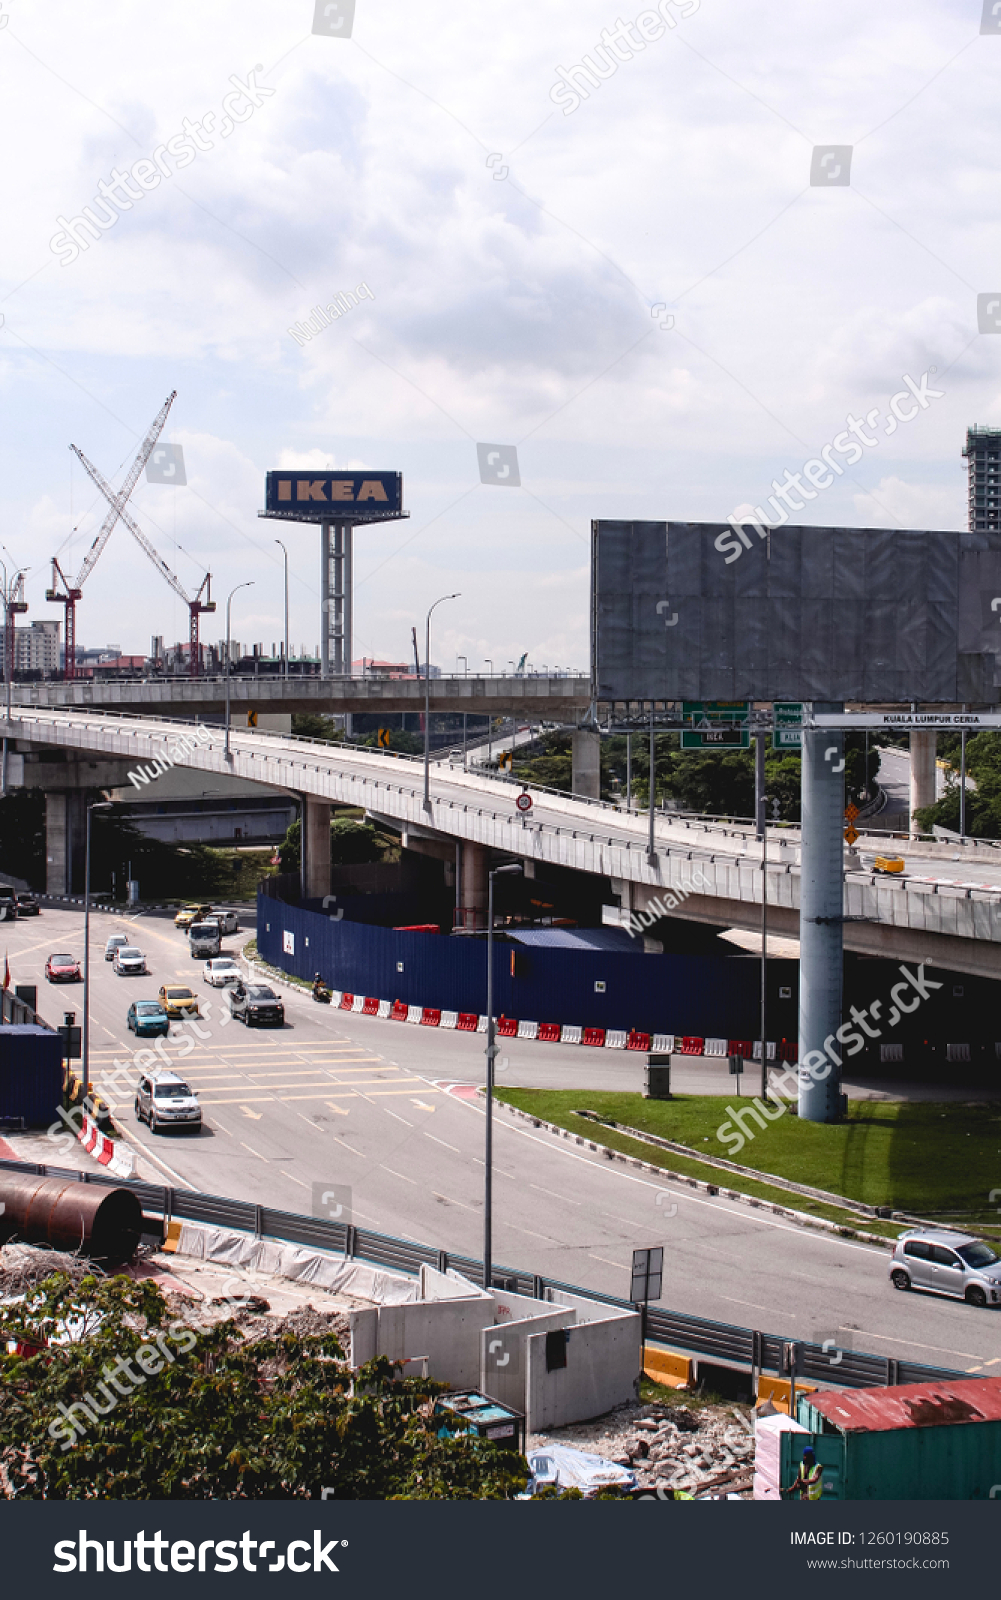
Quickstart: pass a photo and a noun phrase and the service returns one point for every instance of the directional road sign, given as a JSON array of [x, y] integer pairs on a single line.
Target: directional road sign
[[851, 834], [382, 739], [716, 724], [786, 737]]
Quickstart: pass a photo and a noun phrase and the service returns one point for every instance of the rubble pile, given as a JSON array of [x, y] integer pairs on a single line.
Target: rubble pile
[[701, 1451]]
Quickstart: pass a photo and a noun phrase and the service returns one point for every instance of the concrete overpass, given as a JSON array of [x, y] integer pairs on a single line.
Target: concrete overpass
[[554, 698], [924, 916]]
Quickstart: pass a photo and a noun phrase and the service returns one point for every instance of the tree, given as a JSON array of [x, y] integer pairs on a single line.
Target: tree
[[201, 1413], [983, 803]]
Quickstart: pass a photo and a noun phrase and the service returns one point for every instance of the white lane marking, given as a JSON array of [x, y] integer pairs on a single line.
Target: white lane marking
[[398, 1175], [940, 1349], [389, 1113], [645, 1183], [450, 1202], [565, 1198], [454, 1147], [294, 1179], [732, 1300], [616, 1264], [253, 1152]]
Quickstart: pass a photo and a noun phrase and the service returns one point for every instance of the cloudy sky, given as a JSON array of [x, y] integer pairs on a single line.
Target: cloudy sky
[[637, 285]]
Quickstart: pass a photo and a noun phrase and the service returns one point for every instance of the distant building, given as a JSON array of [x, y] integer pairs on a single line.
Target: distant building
[[983, 456], [37, 648]]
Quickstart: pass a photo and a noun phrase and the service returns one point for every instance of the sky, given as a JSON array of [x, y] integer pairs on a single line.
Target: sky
[[666, 288]]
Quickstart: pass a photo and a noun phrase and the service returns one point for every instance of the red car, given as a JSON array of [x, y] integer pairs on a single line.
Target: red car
[[63, 969]]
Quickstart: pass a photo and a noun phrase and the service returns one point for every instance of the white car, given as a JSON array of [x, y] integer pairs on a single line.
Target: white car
[[228, 921], [129, 961], [222, 971]]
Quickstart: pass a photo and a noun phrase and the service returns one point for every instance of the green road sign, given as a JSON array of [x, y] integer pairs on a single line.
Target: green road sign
[[786, 737], [712, 724]]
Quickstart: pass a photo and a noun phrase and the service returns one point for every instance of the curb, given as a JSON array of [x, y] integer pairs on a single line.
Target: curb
[[697, 1183]]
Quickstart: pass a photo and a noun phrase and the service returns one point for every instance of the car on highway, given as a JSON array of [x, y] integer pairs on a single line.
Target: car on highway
[[189, 914], [179, 1001], [26, 905], [116, 941], [163, 1100], [943, 1262], [129, 961], [257, 1005], [222, 972], [147, 1019], [62, 969], [228, 921]]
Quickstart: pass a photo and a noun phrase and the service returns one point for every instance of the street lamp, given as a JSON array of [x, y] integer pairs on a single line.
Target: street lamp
[[97, 805], [512, 868], [13, 603], [427, 700], [229, 639], [465, 665], [285, 554]]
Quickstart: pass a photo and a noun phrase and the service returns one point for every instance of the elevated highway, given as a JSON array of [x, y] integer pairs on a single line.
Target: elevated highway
[[555, 698], [705, 871]]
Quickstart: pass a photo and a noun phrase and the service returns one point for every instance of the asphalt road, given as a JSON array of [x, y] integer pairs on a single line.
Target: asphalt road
[[340, 1099]]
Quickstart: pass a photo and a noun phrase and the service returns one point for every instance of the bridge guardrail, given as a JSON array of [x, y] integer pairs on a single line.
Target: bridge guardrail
[[720, 1342]]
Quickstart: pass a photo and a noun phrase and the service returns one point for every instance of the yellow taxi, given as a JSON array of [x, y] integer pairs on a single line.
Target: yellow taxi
[[178, 1001], [189, 914]]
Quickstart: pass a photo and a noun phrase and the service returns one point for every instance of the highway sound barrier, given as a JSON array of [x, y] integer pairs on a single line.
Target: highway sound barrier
[[874, 615]]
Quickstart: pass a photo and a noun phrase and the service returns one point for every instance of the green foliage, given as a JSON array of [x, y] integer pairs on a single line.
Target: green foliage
[[354, 842], [983, 804], [290, 849], [310, 725], [278, 1418]]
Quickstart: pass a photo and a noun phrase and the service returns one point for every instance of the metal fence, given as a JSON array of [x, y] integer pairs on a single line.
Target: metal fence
[[720, 1342]]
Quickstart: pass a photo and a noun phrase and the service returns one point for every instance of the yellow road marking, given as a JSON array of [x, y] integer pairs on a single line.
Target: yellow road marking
[[248, 1113]]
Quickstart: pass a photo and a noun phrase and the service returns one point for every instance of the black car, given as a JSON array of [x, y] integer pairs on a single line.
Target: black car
[[258, 1005], [26, 905]]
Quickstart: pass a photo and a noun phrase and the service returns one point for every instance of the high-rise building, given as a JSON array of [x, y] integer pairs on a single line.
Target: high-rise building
[[983, 456], [37, 648]]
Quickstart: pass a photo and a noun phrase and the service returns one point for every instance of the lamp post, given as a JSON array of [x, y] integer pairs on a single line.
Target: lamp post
[[229, 651], [285, 554], [98, 805], [511, 869], [13, 604], [427, 699], [465, 665]]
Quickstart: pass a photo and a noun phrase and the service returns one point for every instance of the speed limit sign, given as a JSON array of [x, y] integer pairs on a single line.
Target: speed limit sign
[[524, 802]]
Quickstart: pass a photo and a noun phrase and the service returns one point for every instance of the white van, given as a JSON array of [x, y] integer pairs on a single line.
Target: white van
[[204, 940]]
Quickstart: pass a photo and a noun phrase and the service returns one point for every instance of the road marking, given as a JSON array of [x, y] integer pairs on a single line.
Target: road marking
[[940, 1349], [443, 1142], [646, 1183], [248, 1113], [293, 1177], [617, 1264], [450, 1202], [342, 1111], [754, 1305], [566, 1201], [389, 1113], [254, 1152], [398, 1175], [421, 1106]]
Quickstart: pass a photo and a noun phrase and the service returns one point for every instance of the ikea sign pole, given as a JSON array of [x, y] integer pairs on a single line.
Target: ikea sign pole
[[338, 502]]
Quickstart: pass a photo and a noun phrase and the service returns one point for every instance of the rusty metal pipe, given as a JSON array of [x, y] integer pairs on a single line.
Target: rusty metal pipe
[[103, 1223]]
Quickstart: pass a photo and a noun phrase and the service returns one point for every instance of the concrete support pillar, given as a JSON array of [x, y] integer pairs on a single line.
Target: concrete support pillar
[[586, 750], [473, 908], [923, 748], [57, 843], [821, 930], [315, 848]]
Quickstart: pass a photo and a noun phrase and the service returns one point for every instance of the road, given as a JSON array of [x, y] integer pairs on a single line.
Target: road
[[336, 1098]]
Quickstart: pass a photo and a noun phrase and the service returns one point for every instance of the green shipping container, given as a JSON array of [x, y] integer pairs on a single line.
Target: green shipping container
[[918, 1441]]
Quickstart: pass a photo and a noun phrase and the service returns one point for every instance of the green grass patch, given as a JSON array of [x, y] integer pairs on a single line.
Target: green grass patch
[[934, 1160]]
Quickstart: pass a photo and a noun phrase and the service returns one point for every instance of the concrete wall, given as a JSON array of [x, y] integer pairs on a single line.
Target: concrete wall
[[603, 1367], [503, 1363]]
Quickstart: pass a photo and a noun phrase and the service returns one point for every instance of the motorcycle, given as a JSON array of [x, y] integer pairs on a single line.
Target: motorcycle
[[321, 994]]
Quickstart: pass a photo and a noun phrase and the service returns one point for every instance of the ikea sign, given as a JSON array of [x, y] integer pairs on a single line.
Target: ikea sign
[[327, 496]]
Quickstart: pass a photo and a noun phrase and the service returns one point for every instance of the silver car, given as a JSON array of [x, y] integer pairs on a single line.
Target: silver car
[[948, 1263], [116, 942], [129, 961], [163, 1100], [221, 972]]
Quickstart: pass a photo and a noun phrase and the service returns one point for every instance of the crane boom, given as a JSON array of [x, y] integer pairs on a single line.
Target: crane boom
[[117, 501], [118, 509]]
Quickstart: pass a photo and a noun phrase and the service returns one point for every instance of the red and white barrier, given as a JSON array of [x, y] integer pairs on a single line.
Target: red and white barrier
[[555, 1032], [97, 1144]]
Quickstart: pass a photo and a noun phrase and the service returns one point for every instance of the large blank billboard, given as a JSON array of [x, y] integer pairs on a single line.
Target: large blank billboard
[[707, 611]]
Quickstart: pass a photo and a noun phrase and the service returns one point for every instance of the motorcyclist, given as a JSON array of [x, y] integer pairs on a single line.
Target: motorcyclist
[[319, 987]]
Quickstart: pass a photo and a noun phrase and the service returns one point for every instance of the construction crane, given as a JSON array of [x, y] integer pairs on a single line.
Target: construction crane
[[195, 606], [70, 593]]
